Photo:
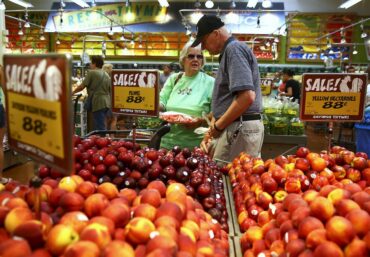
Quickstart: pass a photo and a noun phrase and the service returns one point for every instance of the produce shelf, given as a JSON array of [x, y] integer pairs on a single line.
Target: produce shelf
[[229, 207], [275, 145], [232, 214]]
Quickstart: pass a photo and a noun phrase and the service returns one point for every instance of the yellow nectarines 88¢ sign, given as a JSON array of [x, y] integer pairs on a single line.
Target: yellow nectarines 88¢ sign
[[333, 97], [38, 95], [135, 92]]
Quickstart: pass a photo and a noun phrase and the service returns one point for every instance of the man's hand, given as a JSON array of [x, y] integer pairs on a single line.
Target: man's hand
[[213, 132]]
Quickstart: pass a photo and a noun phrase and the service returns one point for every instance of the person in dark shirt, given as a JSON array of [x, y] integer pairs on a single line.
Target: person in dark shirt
[[292, 88]]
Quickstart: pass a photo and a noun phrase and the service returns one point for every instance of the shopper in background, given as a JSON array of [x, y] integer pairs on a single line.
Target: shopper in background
[[164, 75], [351, 69], [236, 101], [292, 88], [2, 123], [187, 92], [275, 84], [112, 117], [98, 84]]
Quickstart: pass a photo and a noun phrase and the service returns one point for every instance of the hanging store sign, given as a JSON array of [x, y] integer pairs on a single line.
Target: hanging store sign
[[102, 16], [39, 110], [266, 86], [333, 97], [135, 92]]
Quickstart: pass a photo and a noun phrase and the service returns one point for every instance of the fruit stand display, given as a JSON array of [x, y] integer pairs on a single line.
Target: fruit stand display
[[307, 204], [123, 200]]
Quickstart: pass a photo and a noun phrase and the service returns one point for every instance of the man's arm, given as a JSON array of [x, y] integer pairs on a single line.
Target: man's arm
[[78, 89], [241, 103]]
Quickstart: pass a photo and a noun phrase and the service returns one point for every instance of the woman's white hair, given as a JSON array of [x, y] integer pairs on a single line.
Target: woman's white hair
[[185, 50]]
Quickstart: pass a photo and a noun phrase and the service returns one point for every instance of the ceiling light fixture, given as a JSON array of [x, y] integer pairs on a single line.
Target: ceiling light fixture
[[197, 4], [363, 33], [232, 4], [62, 4], [123, 34], [110, 33], [22, 3], [42, 36], [266, 4], [81, 3], [252, 3], [163, 3], [209, 4], [2, 5], [328, 44], [27, 23], [259, 21], [349, 3], [354, 50], [58, 41], [20, 31], [127, 3], [342, 36], [276, 40], [93, 4], [132, 39]]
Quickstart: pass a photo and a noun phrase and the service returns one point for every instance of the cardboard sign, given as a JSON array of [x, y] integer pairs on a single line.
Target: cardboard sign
[[39, 109], [333, 97], [266, 86], [135, 92]]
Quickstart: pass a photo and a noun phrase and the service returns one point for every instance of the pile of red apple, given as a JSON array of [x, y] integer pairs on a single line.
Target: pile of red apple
[[83, 219], [307, 204], [100, 159]]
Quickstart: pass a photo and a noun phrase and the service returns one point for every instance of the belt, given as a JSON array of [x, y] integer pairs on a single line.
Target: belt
[[247, 117]]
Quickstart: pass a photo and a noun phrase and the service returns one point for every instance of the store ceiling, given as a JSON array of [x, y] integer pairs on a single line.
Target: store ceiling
[[362, 8]]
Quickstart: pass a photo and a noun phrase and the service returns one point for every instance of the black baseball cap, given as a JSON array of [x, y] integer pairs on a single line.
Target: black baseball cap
[[206, 25]]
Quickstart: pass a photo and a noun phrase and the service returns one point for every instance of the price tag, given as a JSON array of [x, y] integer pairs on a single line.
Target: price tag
[[39, 114], [135, 92], [333, 97], [266, 86]]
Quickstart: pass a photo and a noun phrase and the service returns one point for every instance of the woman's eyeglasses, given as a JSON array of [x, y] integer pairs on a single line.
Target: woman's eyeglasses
[[192, 56]]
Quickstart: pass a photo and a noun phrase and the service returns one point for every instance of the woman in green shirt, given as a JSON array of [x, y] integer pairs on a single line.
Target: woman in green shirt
[[187, 92]]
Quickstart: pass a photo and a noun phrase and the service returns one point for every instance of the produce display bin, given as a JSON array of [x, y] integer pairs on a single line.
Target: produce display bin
[[229, 207], [234, 227], [275, 145], [237, 247]]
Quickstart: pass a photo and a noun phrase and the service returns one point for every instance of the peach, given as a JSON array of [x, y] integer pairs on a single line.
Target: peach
[[338, 194], [360, 220], [326, 190], [118, 248], [95, 204], [345, 206], [40, 253], [296, 204], [328, 249], [361, 198], [169, 209], [159, 186], [152, 197], [55, 196], [105, 222], [299, 214], [316, 237], [258, 246], [86, 189], [289, 198], [71, 202], [16, 202], [168, 231], [3, 212], [285, 227], [96, 233], [33, 231], [340, 230], [292, 185], [353, 174], [128, 193], [68, 184], [145, 210], [254, 233], [310, 195], [167, 221], [159, 253], [307, 225], [178, 198], [278, 247], [279, 196], [176, 187], [356, 248], [139, 229], [160, 242], [352, 187], [14, 248], [4, 235], [263, 218], [295, 247], [59, 237], [264, 200], [322, 208], [191, 225], [282, 217], [15, 217], [118, 213], [82, 249], [187, 245], [76, 219], [271, 236], [108, 189]]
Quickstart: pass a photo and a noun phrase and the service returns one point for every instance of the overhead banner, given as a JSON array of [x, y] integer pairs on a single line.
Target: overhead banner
[[135, 92], [333, 97], [151, 17], [39, 107]]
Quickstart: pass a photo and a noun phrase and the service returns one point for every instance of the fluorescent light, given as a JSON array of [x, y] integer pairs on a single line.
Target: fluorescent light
[[268, 4], [81, 3], [163, 3], [2, 6], [349, 3], [22, 3], [252, 3], [354, 50], [209, 4], [363, 34]]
